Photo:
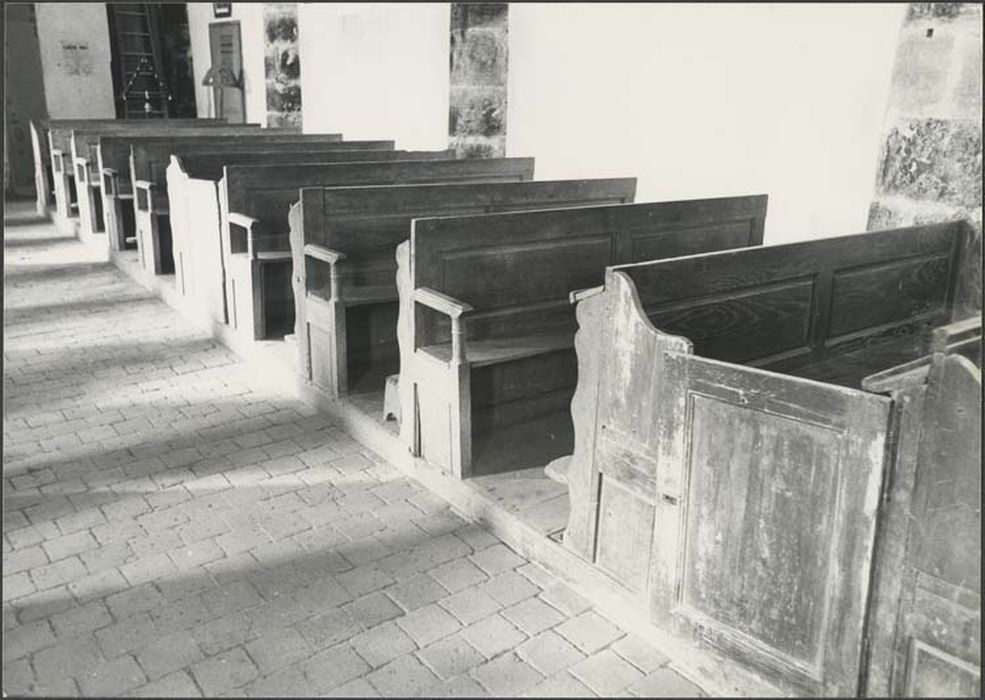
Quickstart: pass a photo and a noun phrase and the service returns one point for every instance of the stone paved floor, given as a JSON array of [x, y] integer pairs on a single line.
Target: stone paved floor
[[173, 525]]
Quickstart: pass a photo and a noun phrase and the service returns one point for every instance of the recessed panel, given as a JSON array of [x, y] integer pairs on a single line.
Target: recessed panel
[[762, 504]]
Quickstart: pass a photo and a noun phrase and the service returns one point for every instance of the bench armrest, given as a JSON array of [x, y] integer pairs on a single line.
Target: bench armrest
[[333, 258], [247, 242], [453, 308], [320, 252], [142, 194], [111, 182], [582, 294], [58, 160], [441, 302]]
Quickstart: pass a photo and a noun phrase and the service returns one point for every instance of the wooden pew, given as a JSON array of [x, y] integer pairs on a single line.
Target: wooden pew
[[256, 241], [728, 463], [111, 155], [44, 179], [197, 222], [927, 564], [486, 327], [148, 175], [346, 328], [84, 142], [59, 136]]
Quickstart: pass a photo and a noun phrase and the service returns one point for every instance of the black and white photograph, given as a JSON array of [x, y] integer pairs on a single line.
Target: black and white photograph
[[477, 349]]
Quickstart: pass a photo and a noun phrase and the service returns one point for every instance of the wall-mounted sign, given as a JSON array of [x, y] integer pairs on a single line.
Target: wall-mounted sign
[[222, 9], [76, 59]]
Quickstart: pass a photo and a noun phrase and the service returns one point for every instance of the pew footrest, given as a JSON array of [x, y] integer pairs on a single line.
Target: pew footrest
[[496, 351]]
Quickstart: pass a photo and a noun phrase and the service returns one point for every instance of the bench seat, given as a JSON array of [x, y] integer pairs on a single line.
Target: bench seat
[[496, 351]]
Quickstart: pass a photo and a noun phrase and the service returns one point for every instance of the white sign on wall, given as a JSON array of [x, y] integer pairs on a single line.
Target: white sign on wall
[[76, 59]]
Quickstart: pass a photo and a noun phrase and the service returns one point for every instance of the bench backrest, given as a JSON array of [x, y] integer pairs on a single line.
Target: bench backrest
[[517, 270], [150, 159], [205, 165], [802, 302], [84, 140], [59, 133], [366, 224], [267, 192]]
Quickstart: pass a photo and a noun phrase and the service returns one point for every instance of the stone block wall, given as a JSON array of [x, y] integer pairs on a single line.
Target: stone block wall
[[931, 162], [479, 63], [282, 64]]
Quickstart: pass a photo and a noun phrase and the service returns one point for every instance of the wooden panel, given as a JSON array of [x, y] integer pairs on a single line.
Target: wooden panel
[[864, 286], [932, 673]]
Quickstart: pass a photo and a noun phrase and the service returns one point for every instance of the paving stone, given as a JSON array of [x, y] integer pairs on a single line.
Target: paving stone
[[114, 677], [405, 677], [17, 586], [416, 591], [146, 569], [428, 624], [365, 579], [358, 688], [606, 673], [129, 635], [564, 599], [26, 639], [68, 658], [458, 574], [509, 588], [382, 644], [549, 653], [224, 672], [665, 683], [61, 572], [134, 600], [532, 615], [459, 687], [451, 656], [99, 585], [507, 675], [223, 633], [329, 628], [639, 653], [372, 609], [496, 559], [493, 635], [168, 654], [333, 667], [24, 560], [176, 685], [231, 597], [470, 605], [589, 631], [289, 682], [86, 618], [277, 648], [561, 685]]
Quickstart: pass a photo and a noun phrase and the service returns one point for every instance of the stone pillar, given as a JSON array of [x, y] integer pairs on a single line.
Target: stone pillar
[[931, 162], [282, 64], [477, 100]]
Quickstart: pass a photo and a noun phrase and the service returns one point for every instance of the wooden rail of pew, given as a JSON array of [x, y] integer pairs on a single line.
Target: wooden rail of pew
[[40, 143], [726, 449], [196, 187], [259, 261], [112, 157], [509, 359], [346, 328]]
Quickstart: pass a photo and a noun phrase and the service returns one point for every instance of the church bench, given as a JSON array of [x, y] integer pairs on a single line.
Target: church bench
[[345, 241], [196, 186], [110, 155], [729, 447], [40, 143], [256, 243], [60, 145], [504, 282]]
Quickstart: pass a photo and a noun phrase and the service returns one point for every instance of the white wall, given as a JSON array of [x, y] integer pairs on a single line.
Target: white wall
[[78, 83], [376, 71], [250, 17], [709, 100]]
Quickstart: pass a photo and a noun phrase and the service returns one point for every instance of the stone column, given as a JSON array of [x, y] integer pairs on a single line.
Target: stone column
[[931, 162], [477, 100], [282, 64]]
